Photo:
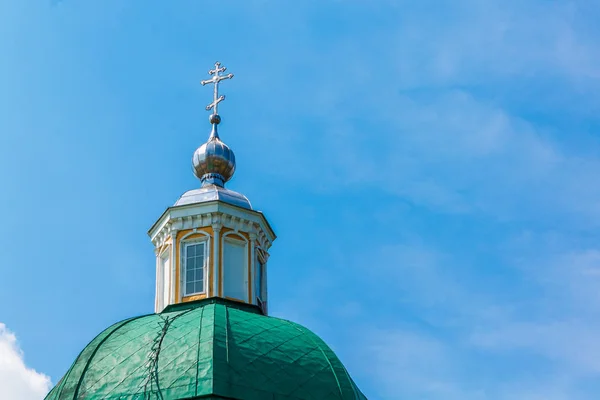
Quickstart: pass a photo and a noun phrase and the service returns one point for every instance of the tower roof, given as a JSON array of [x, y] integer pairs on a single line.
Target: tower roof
[[213, 192], [208, 349]]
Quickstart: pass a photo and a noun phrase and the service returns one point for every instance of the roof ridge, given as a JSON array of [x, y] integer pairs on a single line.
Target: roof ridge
[[214, 347], [198, 351]]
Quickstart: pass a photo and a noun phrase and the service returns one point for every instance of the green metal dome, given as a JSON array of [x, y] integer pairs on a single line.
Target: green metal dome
[[210, 349]]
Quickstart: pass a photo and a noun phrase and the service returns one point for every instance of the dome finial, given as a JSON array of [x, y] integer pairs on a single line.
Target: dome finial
[[214, 161], [216, 78]]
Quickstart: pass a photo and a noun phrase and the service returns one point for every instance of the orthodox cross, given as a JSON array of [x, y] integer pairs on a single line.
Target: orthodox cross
[[216, 78]]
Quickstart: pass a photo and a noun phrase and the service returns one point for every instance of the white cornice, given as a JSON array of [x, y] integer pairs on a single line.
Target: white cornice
[[210, 214]]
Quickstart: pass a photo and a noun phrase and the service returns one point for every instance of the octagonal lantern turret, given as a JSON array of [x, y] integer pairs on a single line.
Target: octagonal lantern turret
[[211, 243]]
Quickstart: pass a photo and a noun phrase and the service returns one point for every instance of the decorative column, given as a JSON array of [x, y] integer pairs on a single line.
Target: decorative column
[[157, 305], [252, 265], [265, 293], [217, 239], [173, 261]]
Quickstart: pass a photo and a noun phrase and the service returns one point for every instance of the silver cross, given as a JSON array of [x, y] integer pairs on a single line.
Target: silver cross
[[216, 78]]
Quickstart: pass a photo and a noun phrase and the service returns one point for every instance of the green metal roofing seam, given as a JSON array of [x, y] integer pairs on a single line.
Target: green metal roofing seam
[[100, 379], [57, 391], [227, 334], [123, 323], [162, 338], [113, 328], [175, 359], [337, 381], [213, 349], [150, 321], [198, 351], [155, 354]]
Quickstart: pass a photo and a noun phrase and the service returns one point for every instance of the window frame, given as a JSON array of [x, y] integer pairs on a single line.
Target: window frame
[[184, 246], [234, 238]]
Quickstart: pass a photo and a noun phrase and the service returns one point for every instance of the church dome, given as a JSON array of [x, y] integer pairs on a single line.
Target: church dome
[[209, 349], [214, 157]]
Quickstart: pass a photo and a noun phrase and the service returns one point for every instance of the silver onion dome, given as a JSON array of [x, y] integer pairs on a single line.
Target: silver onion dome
[[214, 161]]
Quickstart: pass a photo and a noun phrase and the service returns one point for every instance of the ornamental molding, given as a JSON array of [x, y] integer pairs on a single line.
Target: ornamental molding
[[250, 224]]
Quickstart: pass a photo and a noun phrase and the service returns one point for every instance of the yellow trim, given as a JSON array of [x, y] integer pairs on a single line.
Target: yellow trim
[[193, 298]]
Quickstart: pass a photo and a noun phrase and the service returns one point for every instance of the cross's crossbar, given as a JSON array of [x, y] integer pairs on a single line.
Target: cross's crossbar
[[214, 103], [215, 79]]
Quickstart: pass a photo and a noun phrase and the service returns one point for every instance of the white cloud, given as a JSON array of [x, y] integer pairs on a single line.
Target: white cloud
[[17, 381]]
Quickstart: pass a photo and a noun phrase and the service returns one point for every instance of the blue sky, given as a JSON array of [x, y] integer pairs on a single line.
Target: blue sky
[[430, 169]]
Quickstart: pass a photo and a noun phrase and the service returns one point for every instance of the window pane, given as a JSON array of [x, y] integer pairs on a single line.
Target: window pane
[[235, 277], [189, 288], [194, 268]]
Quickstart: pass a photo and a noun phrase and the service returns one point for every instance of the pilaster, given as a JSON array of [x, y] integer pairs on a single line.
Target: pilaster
[[216, 256], [173, 264]]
